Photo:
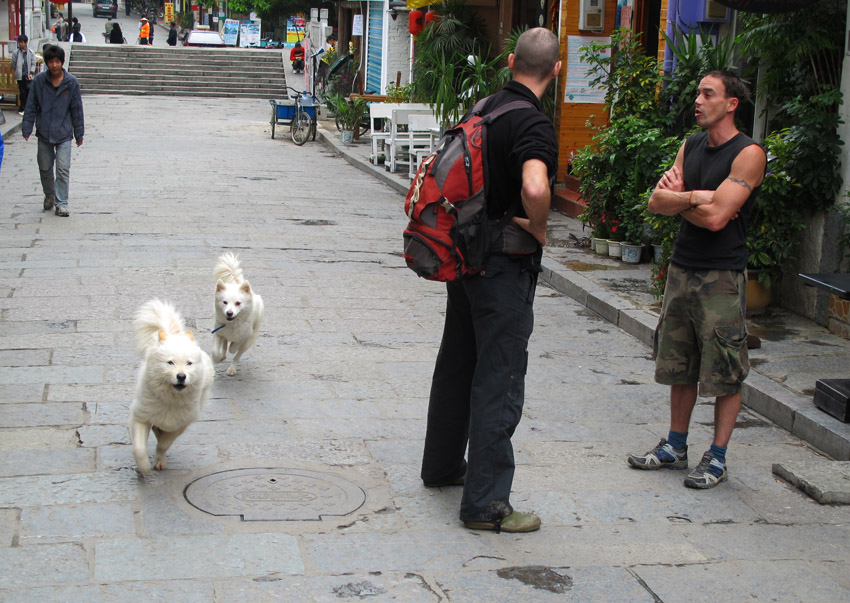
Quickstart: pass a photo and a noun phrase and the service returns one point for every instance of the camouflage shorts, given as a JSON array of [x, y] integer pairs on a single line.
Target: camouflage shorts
[[702, 331]]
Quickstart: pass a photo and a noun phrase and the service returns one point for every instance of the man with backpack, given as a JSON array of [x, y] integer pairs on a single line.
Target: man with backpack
[[477, 391]]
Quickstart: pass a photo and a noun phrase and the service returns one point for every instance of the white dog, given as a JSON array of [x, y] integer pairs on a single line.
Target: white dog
[[173, 384], [238, 312]]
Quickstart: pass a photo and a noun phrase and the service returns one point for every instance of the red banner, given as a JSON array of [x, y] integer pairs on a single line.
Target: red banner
[[14, 20]]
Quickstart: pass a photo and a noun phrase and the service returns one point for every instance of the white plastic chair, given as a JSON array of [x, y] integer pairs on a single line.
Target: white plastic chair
[[423, 132], [379, 116], [400, 139]]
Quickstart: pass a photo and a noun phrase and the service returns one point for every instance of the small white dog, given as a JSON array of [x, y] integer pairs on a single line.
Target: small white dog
[[174, 381], [238, 312]]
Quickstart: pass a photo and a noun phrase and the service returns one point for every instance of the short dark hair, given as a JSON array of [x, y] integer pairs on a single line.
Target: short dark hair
[[23, 38], [536, 53], [734, 85], [54, 51]]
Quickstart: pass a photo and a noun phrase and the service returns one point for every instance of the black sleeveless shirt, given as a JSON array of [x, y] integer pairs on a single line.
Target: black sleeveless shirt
[[705, 168]]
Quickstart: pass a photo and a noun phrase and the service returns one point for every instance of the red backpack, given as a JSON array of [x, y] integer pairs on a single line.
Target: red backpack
[[449, 236]]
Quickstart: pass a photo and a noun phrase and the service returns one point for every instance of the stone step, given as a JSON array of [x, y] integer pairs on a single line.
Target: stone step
[[89, 49], [274, 91], [174, 72], [236, 73], [174, 58], [188, 93]]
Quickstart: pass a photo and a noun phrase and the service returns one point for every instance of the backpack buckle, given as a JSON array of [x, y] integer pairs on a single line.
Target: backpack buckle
[[450, 209]]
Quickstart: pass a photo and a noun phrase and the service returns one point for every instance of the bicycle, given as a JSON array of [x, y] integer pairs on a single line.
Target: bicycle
[[303, 123]]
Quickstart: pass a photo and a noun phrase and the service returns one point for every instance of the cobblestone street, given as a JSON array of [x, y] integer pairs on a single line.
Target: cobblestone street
[[332, 402]]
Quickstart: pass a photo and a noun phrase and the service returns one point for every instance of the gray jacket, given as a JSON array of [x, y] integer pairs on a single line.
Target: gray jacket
[[18, 63], [56, 112]]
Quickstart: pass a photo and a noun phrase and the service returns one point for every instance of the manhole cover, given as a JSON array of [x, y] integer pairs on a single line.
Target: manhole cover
[[274, 494]]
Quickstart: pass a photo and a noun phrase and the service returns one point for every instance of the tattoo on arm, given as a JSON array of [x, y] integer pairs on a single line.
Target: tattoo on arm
[[741, 182]]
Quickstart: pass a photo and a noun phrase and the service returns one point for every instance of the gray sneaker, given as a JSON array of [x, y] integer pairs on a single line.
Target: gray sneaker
[[49, 202], [62, 211], [662, 456], [707, 474]]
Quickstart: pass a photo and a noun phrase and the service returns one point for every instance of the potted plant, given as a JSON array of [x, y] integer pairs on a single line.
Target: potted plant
[[349, 113], [454, 66]]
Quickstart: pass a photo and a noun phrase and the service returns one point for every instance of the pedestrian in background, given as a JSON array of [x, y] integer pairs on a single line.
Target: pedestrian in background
[[23, 65], [144, 32], [57, 27], [701, 339], [76, 31], [116, 36], [55, 108], [296, 56], [172, 35], [478, 387]]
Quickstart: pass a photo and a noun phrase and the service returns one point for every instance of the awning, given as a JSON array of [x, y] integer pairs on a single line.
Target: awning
[[411, 4], [766, 6]]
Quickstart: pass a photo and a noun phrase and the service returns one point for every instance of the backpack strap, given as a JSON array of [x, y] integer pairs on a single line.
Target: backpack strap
[[492, 116], [507, 108]]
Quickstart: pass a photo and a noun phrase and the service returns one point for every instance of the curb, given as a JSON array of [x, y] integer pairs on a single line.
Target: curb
[[795, 414]]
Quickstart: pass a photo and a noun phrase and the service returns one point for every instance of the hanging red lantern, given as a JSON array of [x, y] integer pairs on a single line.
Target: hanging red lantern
[[431, 16], [415, 23]]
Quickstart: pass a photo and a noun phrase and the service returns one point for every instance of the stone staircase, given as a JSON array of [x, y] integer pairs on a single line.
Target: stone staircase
[[178, 71]]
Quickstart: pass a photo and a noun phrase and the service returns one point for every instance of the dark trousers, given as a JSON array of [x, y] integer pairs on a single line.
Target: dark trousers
[[478, 387], [24, 92]]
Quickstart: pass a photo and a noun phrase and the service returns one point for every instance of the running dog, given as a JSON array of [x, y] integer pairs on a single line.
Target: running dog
[[238, 312], [174, 381]]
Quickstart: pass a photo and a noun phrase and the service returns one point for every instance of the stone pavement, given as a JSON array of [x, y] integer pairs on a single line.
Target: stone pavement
[[300, 482]]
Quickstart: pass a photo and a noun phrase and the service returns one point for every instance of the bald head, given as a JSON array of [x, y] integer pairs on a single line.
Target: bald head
[[536, 53]]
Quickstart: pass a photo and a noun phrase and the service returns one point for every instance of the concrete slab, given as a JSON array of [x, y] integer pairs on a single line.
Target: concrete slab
[[828, 482], [196, 556]]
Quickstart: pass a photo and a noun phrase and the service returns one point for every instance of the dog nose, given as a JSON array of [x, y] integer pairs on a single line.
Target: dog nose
[[181, 377], [229, 313]]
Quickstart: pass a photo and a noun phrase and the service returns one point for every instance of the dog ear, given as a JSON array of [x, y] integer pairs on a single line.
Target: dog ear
[[190, 335], [220, 285], [162, 335], [245, 287]]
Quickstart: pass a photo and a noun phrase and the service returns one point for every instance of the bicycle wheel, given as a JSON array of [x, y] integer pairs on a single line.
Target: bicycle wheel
[[314, 125], [365, 126], [301, 125]]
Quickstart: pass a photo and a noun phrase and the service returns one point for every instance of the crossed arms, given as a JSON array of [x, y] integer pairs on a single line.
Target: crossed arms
[[709, 209]]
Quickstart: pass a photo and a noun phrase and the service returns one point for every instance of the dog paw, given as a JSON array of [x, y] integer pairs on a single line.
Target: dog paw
[[144, 467], [231, 371], [160, 464]]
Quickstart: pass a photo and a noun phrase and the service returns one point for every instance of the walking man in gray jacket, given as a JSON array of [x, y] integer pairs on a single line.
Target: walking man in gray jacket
[[23, 64], [55, 107]]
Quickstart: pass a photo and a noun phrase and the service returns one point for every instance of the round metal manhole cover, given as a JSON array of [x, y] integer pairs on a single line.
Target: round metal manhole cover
[[274, 494]]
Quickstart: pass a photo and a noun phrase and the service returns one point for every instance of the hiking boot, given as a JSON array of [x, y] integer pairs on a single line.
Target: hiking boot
[[707, 474], [49, 202], [458, 481], [513, 523], [62, 211], [662, 456]]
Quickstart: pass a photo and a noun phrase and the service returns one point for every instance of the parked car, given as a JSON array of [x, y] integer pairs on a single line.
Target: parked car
[[108, 8], [203, 37]]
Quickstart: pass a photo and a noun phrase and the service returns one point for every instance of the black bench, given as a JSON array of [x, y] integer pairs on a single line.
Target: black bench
[[832, 395]]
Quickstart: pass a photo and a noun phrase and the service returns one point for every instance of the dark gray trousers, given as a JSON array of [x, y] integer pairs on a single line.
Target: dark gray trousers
[[478, 387]]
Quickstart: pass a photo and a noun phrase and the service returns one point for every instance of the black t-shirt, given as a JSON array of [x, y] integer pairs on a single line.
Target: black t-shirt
[[513, 139], [705, 168]]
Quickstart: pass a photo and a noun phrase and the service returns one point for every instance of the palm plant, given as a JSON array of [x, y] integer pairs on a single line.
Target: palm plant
[[695, 54], [454, 66], [548, 100]]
